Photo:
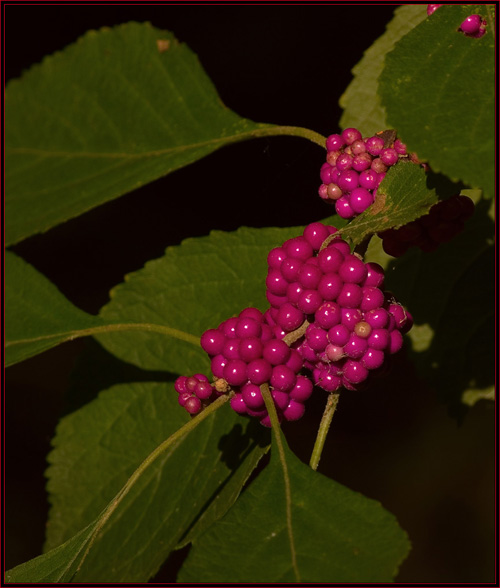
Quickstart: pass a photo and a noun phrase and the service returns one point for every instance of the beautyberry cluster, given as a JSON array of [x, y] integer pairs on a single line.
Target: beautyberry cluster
[[445, 220], [329, 324], [355, 167], [350, 325], [473, 26]]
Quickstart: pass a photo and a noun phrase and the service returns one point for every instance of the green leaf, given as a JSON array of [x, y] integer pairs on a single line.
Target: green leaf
[[37, 315], [119, 108], [195, 286], [450, 293], [438, 89], [97, 451], [403, 196], [361, 103], [294, 525]]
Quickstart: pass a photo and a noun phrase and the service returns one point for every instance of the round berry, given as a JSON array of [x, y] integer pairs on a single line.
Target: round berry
[[328, 315], [259, 371], [389, 156], [333, 192], [352, 270], [302, 390], [253, 313], [377, 318], [334, 352], [180, 385], [325, 379], [398, 145], [193, 405], [248, 327], [378, 339], [183, 397], [334, 142], [280, 398], [299, 248], [363, 329], [309, 301], [275, 257], [395, 341], [309, 276], [344, 162], [289, 317], [293, 292], [203, 390], [316, 337], [231, 349], [315, 234], [252, 396], [283, 378], [339, 335], [432, 8], [378, 166], [276, 283], [342, 246], [330, 259], [350, 296], [373, 359], [360, 199], [362, 162], [348, 180], [471, 24], [276, 352], [354, 371], [343, 208], [374, 145], [372, 298], [351, 317], [235, 372], [374, 276], [290, 268], [212, 341], [350, 135], [217, 365], [294, 411], [238, 403], [294, 362], [324, 173], [329, 287], [250, 348], [369, 179], [355, 347]]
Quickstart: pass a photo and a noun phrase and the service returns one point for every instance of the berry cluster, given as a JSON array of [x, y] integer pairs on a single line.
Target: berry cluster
[[352, 325], [445, 220], [473, 26], [329, 324], [355, 167]]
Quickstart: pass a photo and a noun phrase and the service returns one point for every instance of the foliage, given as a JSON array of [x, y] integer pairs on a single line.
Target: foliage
[[132, 478]]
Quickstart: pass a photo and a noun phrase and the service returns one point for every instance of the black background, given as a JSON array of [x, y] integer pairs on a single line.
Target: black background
[[284, 64]]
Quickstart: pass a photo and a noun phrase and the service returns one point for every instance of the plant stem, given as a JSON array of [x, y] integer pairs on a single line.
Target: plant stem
[[324, 426]]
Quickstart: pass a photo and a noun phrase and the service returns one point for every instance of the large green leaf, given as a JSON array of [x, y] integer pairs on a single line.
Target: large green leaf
[[37, 315], [182, 488], [192, 288], [112, 112], [361, 102], [292, 524], [438, 89]]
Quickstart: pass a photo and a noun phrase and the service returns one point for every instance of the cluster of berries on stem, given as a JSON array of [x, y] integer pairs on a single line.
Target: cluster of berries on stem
[[329, 324], [355, 167], [473, 26]]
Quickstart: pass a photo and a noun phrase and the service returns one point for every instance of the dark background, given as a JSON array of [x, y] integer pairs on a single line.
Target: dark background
[[283, 64]]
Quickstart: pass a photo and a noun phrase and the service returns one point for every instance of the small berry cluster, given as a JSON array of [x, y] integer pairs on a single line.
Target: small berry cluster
[[352, 325], [445, 220], [473, 26], [195, 392], [355, 167]]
